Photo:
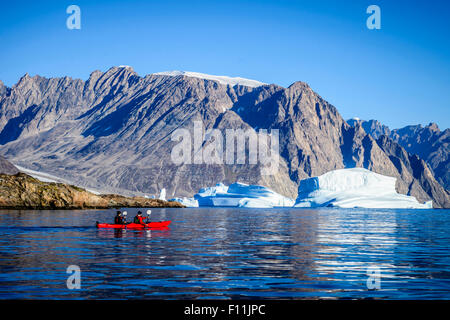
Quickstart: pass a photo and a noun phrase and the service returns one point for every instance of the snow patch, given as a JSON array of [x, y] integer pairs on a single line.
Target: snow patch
[[45, 177], [353, 188], [221, 79]]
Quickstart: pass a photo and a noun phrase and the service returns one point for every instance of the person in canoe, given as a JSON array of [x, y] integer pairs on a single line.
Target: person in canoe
[[119, 218], [139, 219]]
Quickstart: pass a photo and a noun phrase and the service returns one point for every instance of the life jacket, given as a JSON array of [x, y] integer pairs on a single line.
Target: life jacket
[[118, 220], [139, 220]]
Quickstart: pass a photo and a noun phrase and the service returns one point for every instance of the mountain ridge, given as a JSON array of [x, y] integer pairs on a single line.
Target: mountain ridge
[[113, 131], [428, 142]]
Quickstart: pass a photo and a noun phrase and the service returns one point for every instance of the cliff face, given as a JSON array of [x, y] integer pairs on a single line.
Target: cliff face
[[22, 191], [372, 127], [7, 167], [428, 143], [416, 176], [113, 133]]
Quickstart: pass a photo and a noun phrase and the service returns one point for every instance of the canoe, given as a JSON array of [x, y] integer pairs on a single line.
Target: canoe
[[160, 224]]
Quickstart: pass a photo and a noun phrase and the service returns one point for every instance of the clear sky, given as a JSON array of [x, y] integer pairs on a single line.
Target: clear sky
[[399, 75]]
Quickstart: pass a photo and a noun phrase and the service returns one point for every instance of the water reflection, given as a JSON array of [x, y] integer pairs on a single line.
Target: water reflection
[[145, 233], [231, 253], [360, 236]]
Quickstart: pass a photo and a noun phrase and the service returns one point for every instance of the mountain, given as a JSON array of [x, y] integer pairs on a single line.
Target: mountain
[[373, 127], [7, 167], [429, 143], [112, 133]]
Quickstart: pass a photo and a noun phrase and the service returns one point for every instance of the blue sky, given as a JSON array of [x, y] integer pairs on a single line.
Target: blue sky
[[399, 75]]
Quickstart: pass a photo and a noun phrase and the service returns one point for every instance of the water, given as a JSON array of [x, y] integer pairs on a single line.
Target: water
[[229, 254]]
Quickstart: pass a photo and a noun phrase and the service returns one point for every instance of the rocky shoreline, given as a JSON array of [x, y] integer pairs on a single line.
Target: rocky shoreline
[[21, 191]]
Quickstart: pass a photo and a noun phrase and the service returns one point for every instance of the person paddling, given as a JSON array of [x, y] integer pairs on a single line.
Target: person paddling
[[139, 219], [119, 219]]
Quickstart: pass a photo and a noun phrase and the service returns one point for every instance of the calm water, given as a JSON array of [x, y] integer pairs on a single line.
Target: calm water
[[229, 253]]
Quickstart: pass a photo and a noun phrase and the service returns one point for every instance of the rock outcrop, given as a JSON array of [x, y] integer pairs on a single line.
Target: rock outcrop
[[21, 191]]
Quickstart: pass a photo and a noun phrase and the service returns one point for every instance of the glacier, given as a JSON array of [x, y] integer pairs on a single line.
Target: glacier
[[221, 79], [354, 188]]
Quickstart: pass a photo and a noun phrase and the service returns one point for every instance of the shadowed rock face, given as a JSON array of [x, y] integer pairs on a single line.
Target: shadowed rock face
[[112, 132], [417, 177], [7, 167], [429, 143], [373, 127]]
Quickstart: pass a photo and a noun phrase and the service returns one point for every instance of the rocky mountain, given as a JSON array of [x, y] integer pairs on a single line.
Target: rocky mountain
[[429, 143], [21, 191], [112, 133], [373, 127], [7, 167]]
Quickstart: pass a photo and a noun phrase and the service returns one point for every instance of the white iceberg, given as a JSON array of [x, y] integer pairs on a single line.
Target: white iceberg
[[187, 202], [352, 188], [241, 195], [162, 194]]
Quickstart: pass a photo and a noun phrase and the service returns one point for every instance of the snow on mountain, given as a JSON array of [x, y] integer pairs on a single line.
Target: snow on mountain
[[221, 79], [42, 176], [351, 188], [241, 195], [45, 177]]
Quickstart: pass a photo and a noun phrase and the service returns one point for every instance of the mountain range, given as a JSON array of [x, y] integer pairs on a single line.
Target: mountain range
[[112, 133], [428, 143]]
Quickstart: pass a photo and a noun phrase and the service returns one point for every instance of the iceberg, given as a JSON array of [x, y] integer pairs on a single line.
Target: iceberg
[[241, 195], [162, 194], [187, 202], [353, 188]]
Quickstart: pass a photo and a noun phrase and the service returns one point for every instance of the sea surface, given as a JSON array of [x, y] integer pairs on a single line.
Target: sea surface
[[215, 253]]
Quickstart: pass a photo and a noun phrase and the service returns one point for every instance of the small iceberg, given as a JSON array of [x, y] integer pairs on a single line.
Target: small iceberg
[[241, 195], [353, 188], [162, 194], [187, 202]]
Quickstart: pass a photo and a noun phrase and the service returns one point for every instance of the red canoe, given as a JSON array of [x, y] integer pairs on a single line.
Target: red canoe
[[160, 224]]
